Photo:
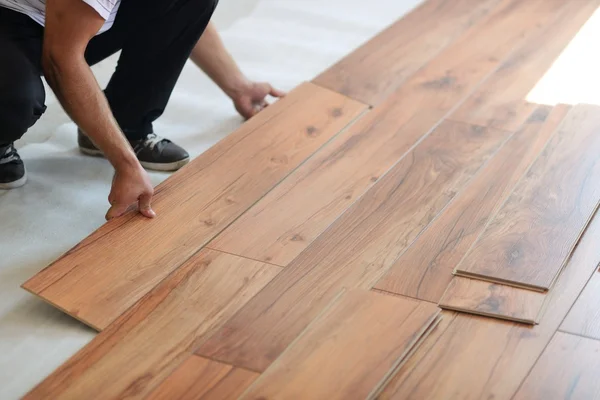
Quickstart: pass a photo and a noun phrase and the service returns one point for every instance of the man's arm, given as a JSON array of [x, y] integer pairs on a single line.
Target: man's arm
[[213, 58], [70, 25]]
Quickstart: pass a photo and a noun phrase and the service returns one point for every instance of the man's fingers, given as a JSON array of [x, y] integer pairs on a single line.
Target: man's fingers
[[145, 206], [276, 92], [116, 210]]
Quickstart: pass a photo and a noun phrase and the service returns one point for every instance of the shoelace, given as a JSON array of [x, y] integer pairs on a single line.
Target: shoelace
[[9, 155], [152, 140]]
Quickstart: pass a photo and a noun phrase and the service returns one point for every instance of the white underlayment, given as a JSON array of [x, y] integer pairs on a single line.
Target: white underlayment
[[281, 41]]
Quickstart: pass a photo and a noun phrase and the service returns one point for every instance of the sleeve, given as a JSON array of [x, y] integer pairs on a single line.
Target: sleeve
[[102, 7]]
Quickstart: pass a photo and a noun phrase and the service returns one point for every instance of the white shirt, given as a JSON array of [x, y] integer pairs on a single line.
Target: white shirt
[[36, 9]]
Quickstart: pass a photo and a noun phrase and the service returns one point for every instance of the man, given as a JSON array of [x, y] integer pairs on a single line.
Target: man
[[61, 39]]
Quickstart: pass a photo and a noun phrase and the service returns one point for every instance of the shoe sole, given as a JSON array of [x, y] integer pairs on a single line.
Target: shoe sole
[[14, 184], [165, 167]]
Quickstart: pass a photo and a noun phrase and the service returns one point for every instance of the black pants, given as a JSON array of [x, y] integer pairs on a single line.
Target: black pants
[[156, 38]]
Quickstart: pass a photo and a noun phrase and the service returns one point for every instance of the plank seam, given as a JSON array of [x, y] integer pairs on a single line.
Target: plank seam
[[240, 256], [424, 334], [578, 334], [370, 106], [388, 293]]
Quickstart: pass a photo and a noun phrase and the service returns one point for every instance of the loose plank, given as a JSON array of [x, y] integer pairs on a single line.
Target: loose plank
[[494, 300], [425, 269], [500, 101], [288, 219], [141, 348], [349, 350], [101, 278], [358, 247], [376, 69], [568, 369], [529, 240], [584, 317], [200, 379], [470, 357]]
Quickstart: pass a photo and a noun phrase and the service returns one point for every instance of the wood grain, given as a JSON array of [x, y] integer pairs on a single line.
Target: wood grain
[[568, 369], [287, 220], [349, 350], [141, 348], [493, 300], [101, 278], [358, 247], [501, 101], [377, 68], [470, 357], [584, 317], [200, 379], [425, 269], [530, 238]]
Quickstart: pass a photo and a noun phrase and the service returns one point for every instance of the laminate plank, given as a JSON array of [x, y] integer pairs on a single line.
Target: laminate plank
[[500, 101], [287, 220], [200, 379], [358, 247], [529, 240], [584, 317], [425, 269], [131, 357], [100, 279], [380, 66], [568, 369], [493, 300], [349, 350], [469, 357]]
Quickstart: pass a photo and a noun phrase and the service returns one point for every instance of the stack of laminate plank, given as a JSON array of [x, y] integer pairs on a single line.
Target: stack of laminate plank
[[527, 243], [303, 257]]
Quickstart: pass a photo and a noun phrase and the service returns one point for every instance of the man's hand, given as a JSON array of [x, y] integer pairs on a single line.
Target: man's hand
[[210, 55], [130, 187], [70, 25], [250, 99]]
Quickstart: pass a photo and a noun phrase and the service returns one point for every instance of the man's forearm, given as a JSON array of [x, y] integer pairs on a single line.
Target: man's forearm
[[78, 92], [213, 58]]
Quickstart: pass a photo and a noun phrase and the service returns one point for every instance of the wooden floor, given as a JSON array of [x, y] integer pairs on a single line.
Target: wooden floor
[[405, 226]]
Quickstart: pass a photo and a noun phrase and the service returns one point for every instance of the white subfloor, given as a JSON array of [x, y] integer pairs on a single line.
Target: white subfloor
[[281, 41]]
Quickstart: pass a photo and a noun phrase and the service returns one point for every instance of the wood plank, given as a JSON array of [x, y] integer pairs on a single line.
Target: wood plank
[[470, 358], [425, 269], [377, 68], [358, 247], [500, 102], [200, 379], [101, 278], [568, 369], [287, 220], [349, 350], [493, 300], [584, 317], [141, 348], [530, 238]]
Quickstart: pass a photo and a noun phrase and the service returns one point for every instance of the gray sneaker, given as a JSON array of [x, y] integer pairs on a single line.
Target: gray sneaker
[[153, 152], [12, 169]]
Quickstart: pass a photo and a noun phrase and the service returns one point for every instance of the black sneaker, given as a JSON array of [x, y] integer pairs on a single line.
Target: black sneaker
[[12, 169], [153, 152]]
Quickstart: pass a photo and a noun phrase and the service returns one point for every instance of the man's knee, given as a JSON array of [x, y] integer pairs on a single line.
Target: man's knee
[[22, 99]]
